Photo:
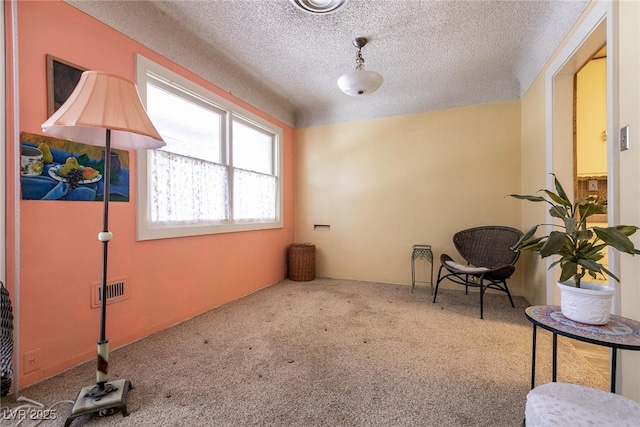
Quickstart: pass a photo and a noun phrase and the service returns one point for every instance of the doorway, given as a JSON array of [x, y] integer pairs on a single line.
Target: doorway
[[562, 146], [588, 40], [590, 165], [590, 152]]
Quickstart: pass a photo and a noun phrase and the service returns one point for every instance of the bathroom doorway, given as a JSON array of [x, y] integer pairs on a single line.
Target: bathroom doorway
[[590, 136]]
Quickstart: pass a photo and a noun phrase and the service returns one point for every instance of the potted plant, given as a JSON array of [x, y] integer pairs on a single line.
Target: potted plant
[[579, 247]]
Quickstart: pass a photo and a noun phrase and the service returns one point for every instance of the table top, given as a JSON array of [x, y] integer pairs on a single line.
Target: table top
[[422, 251], [620, 332]]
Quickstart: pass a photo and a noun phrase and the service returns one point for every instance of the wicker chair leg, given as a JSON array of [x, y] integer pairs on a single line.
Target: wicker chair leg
[[506, 289], [435, 293], [482, 289]]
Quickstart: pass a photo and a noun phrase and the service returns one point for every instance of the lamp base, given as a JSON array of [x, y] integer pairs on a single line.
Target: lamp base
[[90, 400]]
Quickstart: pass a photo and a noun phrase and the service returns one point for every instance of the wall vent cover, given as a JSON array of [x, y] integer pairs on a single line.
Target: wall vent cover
[[117, 290]]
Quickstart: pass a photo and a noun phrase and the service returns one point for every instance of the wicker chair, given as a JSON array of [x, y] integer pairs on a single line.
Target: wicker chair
[[489, 259], [6, 340]]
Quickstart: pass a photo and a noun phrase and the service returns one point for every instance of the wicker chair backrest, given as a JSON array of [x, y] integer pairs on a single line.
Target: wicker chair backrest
[[488, 246], [6, 341]]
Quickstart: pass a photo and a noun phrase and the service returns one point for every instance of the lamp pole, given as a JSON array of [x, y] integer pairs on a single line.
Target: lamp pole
[[104, 236]]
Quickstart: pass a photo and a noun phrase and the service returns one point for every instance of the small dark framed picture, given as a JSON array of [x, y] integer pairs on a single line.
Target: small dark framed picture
[[62, 78]]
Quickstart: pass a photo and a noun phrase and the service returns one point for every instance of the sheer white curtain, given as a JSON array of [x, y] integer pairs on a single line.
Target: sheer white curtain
[[254, 195], [186, 189]]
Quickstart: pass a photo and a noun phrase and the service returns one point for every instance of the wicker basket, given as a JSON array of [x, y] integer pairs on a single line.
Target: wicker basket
[[302, 262]]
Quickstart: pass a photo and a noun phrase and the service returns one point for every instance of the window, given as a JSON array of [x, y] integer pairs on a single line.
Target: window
[[220, 170]]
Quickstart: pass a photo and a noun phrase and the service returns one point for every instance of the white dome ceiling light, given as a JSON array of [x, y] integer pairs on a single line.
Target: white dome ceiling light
[[360, 81], [319, 7]]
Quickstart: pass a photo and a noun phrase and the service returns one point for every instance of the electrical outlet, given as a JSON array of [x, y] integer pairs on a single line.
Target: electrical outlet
[[31, 361], [624, 138]]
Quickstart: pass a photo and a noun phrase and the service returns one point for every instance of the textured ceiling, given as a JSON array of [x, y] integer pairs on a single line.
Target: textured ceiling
[[432, 54]]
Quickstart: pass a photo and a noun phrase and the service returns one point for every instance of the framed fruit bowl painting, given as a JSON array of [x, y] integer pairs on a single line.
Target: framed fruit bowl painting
[[57, 169]]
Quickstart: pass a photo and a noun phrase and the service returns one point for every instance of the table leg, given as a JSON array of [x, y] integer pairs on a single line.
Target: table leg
[[431, 275], [413, 273], [613, 373], [533, 358], [555, 358]]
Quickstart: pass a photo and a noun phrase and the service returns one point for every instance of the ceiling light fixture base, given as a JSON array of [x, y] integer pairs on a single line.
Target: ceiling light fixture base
[[360, 42], [319, 7]]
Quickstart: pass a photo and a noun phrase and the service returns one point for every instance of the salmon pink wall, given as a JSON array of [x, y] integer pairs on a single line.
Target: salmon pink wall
[[170, 280]]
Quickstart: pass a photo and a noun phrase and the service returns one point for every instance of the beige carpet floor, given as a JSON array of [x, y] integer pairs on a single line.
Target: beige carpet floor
[[331, 353]]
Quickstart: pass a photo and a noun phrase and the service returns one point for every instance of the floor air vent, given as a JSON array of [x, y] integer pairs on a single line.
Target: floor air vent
[[117, 290]]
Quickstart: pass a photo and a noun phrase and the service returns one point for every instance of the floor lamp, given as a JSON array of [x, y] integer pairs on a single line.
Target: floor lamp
[[104, 110]]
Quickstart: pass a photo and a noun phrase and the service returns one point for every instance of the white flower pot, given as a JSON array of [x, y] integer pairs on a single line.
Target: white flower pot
[[590, 303]]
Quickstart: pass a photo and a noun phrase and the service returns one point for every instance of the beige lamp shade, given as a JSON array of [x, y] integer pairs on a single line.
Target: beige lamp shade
[[103, 101]]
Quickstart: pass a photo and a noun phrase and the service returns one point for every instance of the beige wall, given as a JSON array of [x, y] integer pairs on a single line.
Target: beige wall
[[383, 185], [533, 124]]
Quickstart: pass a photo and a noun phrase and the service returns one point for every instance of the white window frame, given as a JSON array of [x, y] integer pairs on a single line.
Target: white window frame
[[145, 229]]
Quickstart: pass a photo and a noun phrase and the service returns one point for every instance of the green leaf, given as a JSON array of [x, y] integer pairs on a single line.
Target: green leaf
[[554, 243], [560, 190], [570, 224], [586, 210], [558, 211], [627, 230], [569, 270], [525, 237], [589, 199], [611, 274], [584, 234], [553, 196], [614, 237], [83, 160], [529, 198], [593, 251], [553, 264], [532, 246], [590, 265]]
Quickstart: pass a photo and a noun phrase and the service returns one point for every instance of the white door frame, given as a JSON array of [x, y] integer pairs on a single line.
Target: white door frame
[[596, 29], [3, 150]]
